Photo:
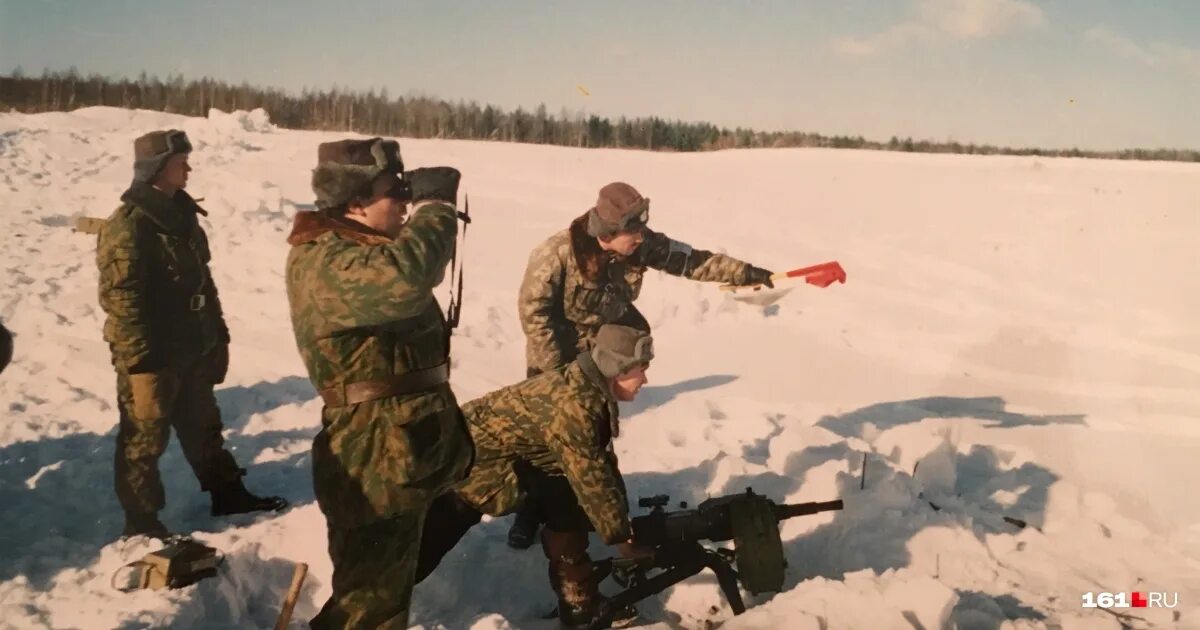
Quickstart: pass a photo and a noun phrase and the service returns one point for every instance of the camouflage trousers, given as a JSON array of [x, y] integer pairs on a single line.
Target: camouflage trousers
[[450, 518], [197, 422], [374, 569], [564, 542]]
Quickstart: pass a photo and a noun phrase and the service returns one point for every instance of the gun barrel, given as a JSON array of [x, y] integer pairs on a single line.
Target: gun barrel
[[785, 511]]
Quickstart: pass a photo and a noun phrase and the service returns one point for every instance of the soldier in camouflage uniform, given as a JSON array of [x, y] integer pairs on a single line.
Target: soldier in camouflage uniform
[[554, 431], [590, 274], [168, 338], [360, 283]]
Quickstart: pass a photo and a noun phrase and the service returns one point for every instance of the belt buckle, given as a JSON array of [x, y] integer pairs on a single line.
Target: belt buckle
[[198, 301]]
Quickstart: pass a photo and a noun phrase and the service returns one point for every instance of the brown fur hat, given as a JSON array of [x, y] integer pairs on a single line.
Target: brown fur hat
[[619, 207], [151, 151], [619, 348], [347, 169]]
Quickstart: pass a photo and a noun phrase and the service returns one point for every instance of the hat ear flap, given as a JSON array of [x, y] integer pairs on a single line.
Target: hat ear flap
[[608, 362], [596, 226], [643, 350], [387, 156], [335, 185]]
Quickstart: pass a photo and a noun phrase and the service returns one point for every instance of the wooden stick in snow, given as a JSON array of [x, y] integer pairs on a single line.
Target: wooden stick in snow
[[293, 594]]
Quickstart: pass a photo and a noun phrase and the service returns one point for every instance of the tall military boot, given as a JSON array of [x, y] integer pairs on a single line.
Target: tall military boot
[[572, 579], [139, 524], [233, 498]]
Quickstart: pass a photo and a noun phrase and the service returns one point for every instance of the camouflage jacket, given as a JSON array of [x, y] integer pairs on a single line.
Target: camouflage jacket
[[155, 284], [363, 309], [560, 422], [561, 308]]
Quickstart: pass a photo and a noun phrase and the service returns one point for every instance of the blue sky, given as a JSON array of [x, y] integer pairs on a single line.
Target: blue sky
[[1057, 73]]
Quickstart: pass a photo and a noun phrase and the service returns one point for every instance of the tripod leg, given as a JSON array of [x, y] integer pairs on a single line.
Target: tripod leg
[[727, 579]]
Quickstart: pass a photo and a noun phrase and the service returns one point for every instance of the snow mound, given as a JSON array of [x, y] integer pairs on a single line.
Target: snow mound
[[256, 121]]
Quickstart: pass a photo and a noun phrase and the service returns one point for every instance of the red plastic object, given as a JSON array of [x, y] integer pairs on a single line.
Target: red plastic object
[[821, 275]]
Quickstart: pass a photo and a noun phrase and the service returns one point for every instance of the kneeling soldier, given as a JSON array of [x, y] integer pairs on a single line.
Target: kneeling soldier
[[553, 433]]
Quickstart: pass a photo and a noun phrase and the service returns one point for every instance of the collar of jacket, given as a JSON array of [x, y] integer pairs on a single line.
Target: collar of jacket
[[308, 226], [588, 366], [589, 257], [166, 212]]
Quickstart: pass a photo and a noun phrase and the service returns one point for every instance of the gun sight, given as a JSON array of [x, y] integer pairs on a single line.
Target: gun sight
[[658, 500]]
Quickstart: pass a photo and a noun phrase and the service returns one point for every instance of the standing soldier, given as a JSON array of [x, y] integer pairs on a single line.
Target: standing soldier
[[589, 275], [554, 431], [360, 283], [168, 338]]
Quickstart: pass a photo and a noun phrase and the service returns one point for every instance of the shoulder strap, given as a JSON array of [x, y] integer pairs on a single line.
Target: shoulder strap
[[454, 309]]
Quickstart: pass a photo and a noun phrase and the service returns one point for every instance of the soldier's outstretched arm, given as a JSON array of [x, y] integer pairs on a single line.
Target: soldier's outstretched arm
[[592, 472], [370, 285], [123, 286], [663, 253], [541, 290]]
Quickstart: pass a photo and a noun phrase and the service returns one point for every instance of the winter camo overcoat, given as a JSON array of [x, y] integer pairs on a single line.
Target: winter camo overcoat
[[561, 307], [363, 309], [560, 422]]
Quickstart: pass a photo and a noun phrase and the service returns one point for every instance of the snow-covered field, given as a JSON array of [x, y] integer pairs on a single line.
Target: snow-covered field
[[1023, 328]]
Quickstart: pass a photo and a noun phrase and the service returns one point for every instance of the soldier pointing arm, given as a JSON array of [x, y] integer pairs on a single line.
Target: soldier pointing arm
[[591, 273]]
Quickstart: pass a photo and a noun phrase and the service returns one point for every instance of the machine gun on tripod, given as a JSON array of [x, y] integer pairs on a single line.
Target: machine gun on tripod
[[750, 520]]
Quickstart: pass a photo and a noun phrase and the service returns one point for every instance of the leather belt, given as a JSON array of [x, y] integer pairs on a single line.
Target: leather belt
[[398, 385]]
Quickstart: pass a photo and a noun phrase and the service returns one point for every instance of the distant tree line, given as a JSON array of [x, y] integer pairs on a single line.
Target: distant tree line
[[376, 113]]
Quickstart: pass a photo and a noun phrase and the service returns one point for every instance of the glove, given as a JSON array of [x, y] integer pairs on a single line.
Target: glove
[[757, 275], [218, 363], [153, 393], [439, 183]]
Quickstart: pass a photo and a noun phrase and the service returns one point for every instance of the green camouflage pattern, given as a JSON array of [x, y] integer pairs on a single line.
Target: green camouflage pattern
[[561, 310], [153, 257], [153, 260], [560, 422], [194, 414], [362, 309], [374, 569]]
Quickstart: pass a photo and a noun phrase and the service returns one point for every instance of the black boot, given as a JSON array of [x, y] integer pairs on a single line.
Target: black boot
[[615, 617], [621, 617], [234, 498], [580, 605], [144, 525], [524, 529]]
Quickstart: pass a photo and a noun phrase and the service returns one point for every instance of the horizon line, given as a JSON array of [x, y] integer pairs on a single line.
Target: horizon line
[[18, 73]]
